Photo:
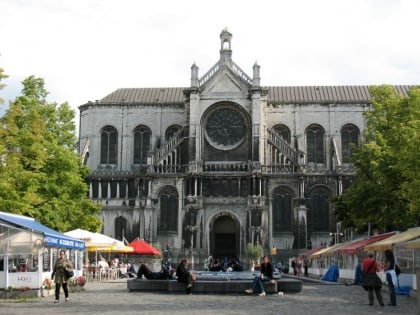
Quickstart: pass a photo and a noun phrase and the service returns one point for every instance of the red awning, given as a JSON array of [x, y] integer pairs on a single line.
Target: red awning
[[143, 248], [352, 248]]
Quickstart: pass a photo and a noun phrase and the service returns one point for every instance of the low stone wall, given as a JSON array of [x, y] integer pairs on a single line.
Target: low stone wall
[[19, 294]]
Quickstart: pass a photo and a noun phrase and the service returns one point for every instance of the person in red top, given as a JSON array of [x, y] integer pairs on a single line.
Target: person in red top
[[371, 280]]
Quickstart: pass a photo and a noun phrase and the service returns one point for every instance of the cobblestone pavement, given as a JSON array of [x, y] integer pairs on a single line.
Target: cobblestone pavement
[[112, 298]]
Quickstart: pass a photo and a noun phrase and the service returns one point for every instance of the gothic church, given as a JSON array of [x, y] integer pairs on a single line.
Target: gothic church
[[208, 168]]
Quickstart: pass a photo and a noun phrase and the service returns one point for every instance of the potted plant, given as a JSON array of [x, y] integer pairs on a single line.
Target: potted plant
[[254, 252], [77, 284], [47, 287]]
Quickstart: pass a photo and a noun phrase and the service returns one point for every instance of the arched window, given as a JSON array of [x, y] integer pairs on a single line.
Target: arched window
[[319, 210], [282, 209], [171, 131], [120, 228], [142, 136], [315, 144], [109, 145], [283, 131], [349, 138], [169, 210]]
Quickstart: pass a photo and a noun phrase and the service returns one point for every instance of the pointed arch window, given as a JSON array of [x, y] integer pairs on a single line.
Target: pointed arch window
[[283, 132], [169, 210], [120, 227], [349, 139], [282, 210], [171, 131], [142, 137], [319, 210], [109, 145], [315, 144]]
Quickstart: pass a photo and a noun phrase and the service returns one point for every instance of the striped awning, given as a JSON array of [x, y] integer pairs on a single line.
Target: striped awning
[[352, 248], [389, 242]]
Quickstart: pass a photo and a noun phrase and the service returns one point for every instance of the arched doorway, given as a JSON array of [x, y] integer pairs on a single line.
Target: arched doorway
[[224, 236]]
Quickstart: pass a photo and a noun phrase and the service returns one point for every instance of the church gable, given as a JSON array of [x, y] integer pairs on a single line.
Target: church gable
[[225, 82]]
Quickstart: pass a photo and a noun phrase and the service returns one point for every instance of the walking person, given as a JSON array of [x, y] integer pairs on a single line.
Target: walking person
[[185, 276], [266, 275], [371, 280], [59, 275], [391, 276]]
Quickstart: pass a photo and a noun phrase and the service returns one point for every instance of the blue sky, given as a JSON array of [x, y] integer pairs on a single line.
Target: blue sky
[[86, 49]]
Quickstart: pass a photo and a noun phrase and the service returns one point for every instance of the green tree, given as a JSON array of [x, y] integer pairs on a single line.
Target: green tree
[[41, 175], [385, 192], [2, 85]]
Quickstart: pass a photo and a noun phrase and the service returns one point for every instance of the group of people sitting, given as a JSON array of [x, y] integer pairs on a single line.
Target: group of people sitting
[[166, 273], [224, 264], [183, 274]]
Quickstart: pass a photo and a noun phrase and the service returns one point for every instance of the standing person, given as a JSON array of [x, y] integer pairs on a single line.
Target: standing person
[[371, 279], [306, 266], [391, 276], [61, 265], [185, 276], [294, 266], [266, 275]]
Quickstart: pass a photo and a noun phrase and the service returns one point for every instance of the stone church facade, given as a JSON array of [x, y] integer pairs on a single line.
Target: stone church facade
[[206, 169]]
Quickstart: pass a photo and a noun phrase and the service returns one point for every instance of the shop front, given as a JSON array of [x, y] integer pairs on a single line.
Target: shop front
[[28, 251]]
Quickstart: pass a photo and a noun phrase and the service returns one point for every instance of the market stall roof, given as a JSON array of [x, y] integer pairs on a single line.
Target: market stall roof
[[311, 251], [352, 248], [413, 244], [387, 243], [99, 242], [51, 237], [327, 251]]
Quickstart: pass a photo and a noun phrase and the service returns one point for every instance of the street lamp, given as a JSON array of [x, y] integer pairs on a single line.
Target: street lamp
[[336, 235]]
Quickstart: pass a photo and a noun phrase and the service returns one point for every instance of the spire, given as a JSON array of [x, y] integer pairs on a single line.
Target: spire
[[225, 46], [194, 76], [256, 75]]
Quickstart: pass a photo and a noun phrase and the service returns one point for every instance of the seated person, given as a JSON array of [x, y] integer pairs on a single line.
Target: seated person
[[216, 266], [235, 266], [131, 272], [163, 274], [185, 276]]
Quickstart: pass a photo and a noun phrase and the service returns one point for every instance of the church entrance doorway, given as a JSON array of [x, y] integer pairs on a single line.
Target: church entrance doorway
[[224, 238]]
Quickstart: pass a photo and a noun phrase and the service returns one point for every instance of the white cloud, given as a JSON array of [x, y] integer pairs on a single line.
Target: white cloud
[[87, 49]]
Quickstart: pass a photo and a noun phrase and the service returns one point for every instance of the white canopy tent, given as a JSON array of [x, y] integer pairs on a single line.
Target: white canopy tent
[[97, 242]]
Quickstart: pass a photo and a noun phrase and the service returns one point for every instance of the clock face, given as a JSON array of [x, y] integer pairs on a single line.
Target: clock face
[[225, 129]]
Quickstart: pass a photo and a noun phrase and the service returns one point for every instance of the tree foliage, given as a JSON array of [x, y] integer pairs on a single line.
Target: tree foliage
[[385, 192], [41, 175], [254, 252], [2, 85]]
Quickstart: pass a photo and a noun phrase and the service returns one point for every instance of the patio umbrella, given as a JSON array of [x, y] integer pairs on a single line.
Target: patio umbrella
[[141, 247], [97, 242]]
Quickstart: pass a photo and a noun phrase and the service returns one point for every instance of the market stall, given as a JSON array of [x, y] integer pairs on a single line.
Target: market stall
[[28, 251]]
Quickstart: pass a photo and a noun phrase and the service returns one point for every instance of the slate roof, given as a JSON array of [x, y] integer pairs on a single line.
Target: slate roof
[[173, 95], [276, 94]]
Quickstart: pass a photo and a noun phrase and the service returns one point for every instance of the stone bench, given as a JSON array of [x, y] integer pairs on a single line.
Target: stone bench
[[147, 285], [232, 286], [211, 286], [289, 285]]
